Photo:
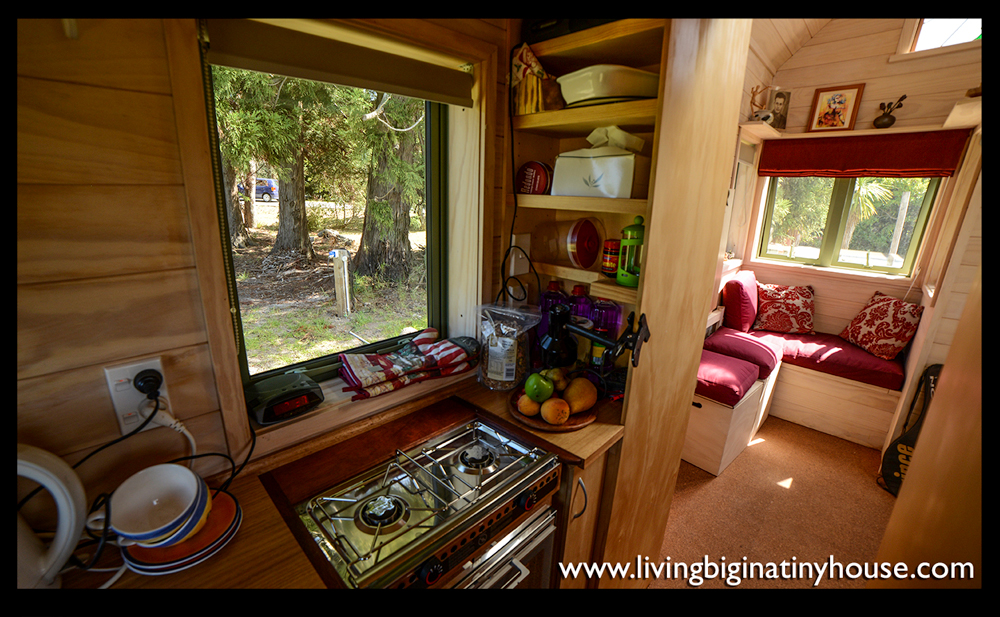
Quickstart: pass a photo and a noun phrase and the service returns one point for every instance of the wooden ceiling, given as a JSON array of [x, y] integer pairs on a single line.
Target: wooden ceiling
[[774, 41]]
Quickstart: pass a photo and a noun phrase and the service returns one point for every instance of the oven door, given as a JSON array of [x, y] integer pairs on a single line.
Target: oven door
[[522, 558]]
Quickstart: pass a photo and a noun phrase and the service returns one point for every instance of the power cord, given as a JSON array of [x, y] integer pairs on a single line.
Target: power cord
[[159, 415], [503, 264]]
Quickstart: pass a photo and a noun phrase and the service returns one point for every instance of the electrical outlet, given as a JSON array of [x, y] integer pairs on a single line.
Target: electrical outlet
[[518, 260], [126, 398]]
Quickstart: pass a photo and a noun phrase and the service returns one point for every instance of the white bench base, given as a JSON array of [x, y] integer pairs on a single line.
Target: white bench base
[[717, 433], [855, 411]]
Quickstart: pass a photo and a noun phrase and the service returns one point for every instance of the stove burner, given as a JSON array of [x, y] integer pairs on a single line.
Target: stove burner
[[477, 459], [382, 513]]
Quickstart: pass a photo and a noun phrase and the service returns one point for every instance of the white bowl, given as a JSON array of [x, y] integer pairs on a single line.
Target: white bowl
[[607, 81], [154, 502]]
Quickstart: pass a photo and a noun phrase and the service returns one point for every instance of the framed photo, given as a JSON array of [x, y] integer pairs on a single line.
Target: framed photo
[[779, 104], [835, 109]]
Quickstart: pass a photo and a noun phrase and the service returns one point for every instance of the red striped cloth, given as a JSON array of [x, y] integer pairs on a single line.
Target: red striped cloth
[[424, 357]]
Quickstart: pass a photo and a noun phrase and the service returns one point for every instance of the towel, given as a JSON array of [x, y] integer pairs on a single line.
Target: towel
[[423, 357]]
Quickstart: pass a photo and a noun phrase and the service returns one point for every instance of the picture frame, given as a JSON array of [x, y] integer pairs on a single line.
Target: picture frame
[[835, 108], [779, 103]]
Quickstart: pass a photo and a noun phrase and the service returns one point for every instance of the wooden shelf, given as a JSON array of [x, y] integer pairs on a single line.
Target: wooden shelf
[[583, 204], [764, 132], [630, 42], [600, 285], [630, 116]]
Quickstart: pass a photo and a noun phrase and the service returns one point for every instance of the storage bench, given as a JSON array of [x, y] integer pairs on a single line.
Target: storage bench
[[828, 383], [726, 411]]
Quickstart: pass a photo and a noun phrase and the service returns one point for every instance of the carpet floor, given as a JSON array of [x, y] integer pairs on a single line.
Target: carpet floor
[[796, 496]]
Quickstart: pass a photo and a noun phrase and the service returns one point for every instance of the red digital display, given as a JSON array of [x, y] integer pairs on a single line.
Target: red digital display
[[291, 405]]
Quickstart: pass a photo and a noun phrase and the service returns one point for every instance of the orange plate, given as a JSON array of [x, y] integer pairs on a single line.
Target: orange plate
[[218, 523], [576, 421]]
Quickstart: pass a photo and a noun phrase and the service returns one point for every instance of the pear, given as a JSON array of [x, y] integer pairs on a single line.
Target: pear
[[581, 395]]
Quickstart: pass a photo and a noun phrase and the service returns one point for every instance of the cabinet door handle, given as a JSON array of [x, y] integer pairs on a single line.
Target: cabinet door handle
[[583, 487]]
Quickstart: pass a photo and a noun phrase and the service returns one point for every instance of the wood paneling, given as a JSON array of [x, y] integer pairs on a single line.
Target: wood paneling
[[73, 134], [126, 54], [106, 272], [850, 51], [84, 231], [61, 326]]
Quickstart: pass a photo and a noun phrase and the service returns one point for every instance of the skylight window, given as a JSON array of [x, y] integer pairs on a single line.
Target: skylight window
[[935, 33]]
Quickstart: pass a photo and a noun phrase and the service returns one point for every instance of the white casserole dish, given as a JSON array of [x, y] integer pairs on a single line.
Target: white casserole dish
[[607, 81]]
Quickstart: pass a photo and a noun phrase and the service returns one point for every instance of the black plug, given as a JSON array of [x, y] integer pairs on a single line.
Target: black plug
[[148, 382]]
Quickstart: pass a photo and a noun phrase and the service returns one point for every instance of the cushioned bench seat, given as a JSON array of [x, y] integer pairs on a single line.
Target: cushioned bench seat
[[826, 353], [830, 354], [724, 379]]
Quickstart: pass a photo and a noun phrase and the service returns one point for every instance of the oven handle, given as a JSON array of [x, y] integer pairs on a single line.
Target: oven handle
[[583, 487], [515, 561], [522, 573]]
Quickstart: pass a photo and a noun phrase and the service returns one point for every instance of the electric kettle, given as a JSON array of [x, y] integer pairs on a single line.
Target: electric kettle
[[38, 566]]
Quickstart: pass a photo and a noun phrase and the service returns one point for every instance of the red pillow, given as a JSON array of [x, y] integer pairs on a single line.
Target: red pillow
[[740, 298], [884, 326], [785, 308]]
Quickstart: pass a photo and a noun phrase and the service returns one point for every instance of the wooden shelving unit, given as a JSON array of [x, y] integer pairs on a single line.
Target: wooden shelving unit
[[637, 43]]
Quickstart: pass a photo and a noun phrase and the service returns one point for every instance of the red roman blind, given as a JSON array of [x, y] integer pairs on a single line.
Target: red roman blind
[[896, 155]]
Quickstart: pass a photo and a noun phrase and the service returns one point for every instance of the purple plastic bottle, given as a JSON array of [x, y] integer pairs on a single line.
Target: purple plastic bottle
[[607, 318], [579, 304]]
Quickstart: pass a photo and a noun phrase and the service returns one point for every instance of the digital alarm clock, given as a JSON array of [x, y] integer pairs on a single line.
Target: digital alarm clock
[[280, 398]]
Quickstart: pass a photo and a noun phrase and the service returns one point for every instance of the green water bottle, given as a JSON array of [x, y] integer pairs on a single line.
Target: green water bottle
[[630, 256]]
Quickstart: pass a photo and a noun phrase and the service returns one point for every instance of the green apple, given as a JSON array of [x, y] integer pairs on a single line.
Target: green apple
[[538, 388]]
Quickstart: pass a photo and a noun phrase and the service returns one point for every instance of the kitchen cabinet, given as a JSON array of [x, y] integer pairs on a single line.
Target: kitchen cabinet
[[689, 133]]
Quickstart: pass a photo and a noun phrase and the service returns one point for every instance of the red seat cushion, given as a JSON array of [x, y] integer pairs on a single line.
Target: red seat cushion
[[766, 354], [828, 353], [723, 378]]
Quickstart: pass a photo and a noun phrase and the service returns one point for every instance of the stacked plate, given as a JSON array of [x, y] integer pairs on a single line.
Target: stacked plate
[[219, 529]]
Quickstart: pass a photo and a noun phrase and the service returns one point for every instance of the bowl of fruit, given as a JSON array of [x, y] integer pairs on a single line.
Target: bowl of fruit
[[554, 401]]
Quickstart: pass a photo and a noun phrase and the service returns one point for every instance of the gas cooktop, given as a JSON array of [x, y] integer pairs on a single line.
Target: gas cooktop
[[389, 524]]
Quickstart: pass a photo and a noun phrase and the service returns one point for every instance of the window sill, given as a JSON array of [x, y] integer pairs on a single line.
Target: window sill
[[338, 412], [939, 51], [830, 272]]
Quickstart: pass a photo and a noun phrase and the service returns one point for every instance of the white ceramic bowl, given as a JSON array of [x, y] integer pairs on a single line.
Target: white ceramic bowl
[[154, 502], [192, 525]]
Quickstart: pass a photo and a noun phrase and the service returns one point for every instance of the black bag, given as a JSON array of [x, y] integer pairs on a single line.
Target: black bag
[[896, 460]]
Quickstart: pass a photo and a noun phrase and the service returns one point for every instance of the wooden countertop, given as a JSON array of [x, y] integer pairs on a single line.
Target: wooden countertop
[[265, 554]]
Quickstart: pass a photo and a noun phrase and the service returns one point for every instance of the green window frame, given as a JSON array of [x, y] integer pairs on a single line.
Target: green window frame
[[834, 229]]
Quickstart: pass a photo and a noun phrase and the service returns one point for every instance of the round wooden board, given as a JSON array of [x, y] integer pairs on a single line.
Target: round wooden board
[[576, 421]]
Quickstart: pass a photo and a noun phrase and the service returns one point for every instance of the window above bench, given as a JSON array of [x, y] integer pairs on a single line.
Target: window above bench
[[858, 204]]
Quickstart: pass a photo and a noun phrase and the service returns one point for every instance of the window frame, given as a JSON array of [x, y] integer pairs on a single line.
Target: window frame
[[328, 366], [836, 222]]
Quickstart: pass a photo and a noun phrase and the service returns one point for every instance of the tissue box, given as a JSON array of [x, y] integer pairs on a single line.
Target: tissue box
[[606, 171]]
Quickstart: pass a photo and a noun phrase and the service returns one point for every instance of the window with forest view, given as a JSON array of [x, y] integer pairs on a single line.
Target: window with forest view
[[873, 223], [349, 167]]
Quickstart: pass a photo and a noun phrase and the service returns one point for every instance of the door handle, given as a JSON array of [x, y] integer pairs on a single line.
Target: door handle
[[583, 487]]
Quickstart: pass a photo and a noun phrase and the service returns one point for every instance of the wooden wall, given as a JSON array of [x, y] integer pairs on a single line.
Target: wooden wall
[[107, 269], [851, 51], [772, 43]]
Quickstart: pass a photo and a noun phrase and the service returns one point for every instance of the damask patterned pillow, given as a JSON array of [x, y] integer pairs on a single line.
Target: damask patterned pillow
[[884, 326], [785, 308]]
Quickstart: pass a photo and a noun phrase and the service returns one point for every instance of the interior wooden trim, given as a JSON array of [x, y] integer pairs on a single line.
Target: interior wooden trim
[[181, 37]]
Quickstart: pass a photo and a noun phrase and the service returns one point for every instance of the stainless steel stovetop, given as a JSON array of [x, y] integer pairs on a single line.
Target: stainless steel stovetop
[[394, 520]]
